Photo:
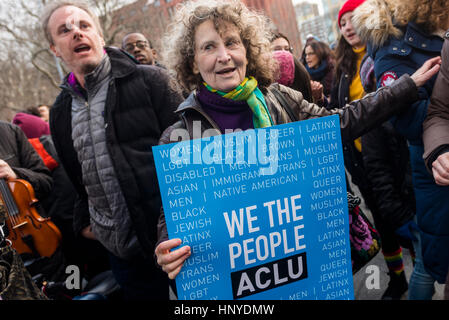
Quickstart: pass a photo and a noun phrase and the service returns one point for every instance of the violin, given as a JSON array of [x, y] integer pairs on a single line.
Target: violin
[[28, 232]]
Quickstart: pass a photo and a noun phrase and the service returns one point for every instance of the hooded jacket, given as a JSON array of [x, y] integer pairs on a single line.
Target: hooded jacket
[[398, 50]]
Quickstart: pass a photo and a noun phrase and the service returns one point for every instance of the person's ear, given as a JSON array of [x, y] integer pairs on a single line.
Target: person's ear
[[195, 68], [54, 50]]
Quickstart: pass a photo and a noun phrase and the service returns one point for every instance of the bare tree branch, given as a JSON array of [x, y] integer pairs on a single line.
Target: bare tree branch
[[45, 72], [17, 36], [28, 11]]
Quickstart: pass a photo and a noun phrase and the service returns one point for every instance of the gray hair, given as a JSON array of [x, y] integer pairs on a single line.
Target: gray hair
[[55, 5], [179, 44]]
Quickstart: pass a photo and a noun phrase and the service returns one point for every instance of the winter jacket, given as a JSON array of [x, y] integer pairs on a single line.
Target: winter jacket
[[436, 125], [23, 159], [109, 215], [387, 166], [139, 106], [58, 204], [352, 157], [355, 119], [397, 51]]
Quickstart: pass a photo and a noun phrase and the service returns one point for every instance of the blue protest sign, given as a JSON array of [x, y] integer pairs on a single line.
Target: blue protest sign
[[264, 212]]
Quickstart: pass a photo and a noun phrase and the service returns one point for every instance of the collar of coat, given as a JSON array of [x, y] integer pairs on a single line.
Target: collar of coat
[[122, 64]]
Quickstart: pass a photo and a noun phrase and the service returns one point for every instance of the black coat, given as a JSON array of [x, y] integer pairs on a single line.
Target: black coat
[[352, 157], [58, 205], [387, 167], [140, 105], [382, 170], [16, 150]]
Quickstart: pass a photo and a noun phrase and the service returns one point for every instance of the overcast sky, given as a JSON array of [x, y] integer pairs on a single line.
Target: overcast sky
[[318, 2]]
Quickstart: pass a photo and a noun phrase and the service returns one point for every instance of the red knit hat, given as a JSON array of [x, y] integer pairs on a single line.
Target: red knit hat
[[32, 126], [349, 6]]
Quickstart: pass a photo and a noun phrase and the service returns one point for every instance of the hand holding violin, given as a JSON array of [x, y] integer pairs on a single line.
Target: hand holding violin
[[6, 171]]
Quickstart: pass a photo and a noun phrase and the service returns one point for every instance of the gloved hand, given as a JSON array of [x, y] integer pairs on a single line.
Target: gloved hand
[[405, 231]]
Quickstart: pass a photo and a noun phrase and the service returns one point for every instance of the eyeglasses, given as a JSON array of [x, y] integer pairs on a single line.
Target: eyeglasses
[[129, 47]]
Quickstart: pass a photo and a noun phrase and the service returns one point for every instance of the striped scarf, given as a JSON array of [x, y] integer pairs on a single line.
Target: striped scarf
[[249, 92]]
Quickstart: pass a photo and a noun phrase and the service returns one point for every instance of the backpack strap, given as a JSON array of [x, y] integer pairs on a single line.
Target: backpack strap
[[283, 102]]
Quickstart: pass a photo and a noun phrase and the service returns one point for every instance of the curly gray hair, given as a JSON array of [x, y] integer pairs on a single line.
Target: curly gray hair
[[179, 44]]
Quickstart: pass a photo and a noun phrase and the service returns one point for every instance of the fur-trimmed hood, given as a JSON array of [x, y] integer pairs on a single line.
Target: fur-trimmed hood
[[374, 20]]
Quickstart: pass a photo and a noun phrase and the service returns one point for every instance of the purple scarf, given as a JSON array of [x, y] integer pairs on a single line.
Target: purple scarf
[[228, 114], [73, 83]]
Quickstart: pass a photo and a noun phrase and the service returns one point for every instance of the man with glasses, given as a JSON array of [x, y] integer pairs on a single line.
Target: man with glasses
[[140, 47]]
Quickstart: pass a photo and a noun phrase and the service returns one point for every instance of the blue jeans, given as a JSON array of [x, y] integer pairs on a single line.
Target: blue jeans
[[421, 285], [140, 279]]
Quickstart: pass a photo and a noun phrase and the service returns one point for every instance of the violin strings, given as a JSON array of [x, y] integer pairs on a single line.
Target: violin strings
[[9, 202]]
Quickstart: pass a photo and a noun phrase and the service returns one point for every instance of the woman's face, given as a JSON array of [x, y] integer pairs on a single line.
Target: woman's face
[[280, 44], [312, 59], [348, 32], [220, 59]]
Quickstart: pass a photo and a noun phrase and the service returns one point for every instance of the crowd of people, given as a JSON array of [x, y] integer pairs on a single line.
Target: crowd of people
[[88, 156]]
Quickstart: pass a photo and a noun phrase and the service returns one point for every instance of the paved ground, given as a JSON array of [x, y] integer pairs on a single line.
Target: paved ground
[[362, 293]]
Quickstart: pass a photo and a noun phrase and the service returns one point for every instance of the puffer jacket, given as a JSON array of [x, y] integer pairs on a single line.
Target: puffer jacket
[[398, 50], [355, 118], [139, 106]]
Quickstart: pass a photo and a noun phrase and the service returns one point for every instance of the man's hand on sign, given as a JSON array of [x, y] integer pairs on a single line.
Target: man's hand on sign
[[172, 261]]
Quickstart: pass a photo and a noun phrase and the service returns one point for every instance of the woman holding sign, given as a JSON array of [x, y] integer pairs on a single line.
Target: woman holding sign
[[221, 52]]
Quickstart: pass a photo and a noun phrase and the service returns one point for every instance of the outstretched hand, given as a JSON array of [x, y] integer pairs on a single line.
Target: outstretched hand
[[427, 71], [317, 91]]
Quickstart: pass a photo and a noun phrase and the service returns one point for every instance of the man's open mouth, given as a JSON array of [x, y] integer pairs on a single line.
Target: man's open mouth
[[82, 48]]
